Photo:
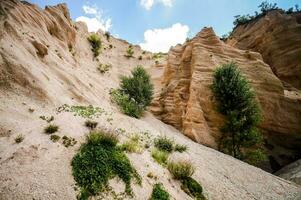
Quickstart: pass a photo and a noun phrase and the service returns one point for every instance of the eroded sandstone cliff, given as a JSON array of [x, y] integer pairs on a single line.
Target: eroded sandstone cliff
[[186, 100], [277, 36]]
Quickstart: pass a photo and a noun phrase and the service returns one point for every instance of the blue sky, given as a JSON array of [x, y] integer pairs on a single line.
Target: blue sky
[[158, 24]]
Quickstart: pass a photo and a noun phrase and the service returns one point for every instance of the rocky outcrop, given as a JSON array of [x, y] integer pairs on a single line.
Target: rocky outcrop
[[277, 36], [186, 100]]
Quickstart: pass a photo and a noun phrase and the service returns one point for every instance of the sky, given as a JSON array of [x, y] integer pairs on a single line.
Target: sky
[[156, 25]]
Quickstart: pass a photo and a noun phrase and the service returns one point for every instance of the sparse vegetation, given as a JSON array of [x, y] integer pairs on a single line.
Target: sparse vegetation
[[98, 161], [159, 193], [164, 144], [140, 57], [135, 93], [19, 138], [51, 129], [129, 52], [180, 169], [83, 111], [236, 100], [160, 156], [103, 68], [54, 138], [95, 42], [91, 124]]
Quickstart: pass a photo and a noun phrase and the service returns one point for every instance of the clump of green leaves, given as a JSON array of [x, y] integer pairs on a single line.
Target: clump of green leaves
[[192, 188], [160, 156], [236, 100], [100, 160], [91, 124], [19, 138], [54, 138], [135, 93], [159, 193], [95, 42], [129, 52], [103, 68], [51, 129]]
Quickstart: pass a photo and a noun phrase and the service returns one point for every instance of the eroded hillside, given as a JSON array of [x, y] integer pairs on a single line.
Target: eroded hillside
[[46, 62]]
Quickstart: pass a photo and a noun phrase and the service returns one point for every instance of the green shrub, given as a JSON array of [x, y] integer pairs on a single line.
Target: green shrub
[[236, 100], [128, 106], [51, 129], [180, 169], [95, 42], [135, 93], [98, 161], [164, 144], [192, 188], [54, 138], [140, 57], [19, 138], [91, 124], [138, 86], [159, 193], [180, 148], [108, 35], [160, 156], [129, 52]]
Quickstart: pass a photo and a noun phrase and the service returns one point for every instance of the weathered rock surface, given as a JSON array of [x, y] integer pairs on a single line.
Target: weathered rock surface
[[186, 99], [32, 85], [277, 36], [291, 172]]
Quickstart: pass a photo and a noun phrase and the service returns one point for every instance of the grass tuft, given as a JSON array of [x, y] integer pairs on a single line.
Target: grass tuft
[[19, 138], [164, 144], [54, 138], [180, 148], [160, 156], [181, 169], [91, 124], [51, 129], [132, 145]]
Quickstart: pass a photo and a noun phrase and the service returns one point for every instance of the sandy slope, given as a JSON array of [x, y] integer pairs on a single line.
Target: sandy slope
[[37, 168]]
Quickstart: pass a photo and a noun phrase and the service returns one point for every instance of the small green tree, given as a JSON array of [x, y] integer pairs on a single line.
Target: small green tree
[[135, 92], [236, 100], [95, 42], [129, 52]]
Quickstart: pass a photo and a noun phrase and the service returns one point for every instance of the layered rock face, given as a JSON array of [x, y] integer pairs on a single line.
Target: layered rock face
[[277, 36], [186, 99]]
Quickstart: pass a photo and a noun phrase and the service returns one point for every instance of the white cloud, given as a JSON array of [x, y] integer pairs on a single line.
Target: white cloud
[[160, 40], [97, 21], [148, 4], [90, 10]]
